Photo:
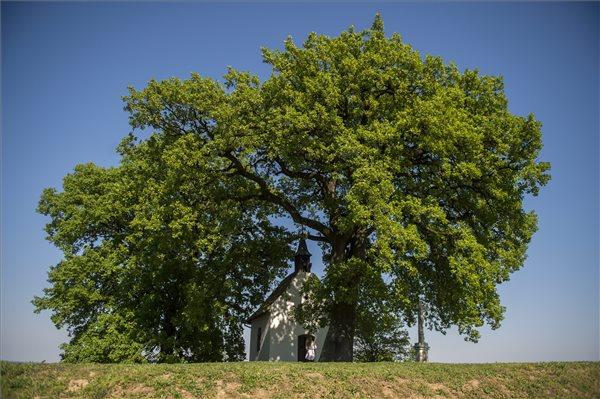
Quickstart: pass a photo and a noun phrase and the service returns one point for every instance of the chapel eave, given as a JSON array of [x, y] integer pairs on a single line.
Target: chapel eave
[[277, 292]]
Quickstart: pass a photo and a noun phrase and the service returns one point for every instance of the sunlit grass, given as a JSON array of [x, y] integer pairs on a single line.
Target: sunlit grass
[[302, 380]]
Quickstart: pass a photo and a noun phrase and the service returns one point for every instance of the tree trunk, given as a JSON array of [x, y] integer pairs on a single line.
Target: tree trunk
[[339, 342], [167, 344]]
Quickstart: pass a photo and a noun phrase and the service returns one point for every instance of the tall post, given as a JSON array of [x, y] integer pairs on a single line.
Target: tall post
[[421, 347], [420, 325]]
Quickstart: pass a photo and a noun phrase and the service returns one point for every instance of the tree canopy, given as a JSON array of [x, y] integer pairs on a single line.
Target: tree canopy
[[409, 173], [152, 269]]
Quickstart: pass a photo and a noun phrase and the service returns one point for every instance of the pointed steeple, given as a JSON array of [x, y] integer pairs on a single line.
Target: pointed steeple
[[302, 248], [302, 257]]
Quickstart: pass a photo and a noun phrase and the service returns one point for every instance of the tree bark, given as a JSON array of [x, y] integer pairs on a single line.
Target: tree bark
[[167, 345], [339, 341]]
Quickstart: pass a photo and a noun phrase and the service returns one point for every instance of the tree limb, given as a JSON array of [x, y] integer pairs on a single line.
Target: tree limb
[[267, 194]]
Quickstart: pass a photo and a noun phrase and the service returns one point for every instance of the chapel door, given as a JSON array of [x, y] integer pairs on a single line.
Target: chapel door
[[302, 348]]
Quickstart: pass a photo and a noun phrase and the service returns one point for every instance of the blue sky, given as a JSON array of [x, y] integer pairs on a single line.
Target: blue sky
[[65, 67]]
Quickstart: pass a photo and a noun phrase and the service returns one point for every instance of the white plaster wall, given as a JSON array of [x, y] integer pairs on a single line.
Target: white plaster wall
[[283, 330], [262, 322]]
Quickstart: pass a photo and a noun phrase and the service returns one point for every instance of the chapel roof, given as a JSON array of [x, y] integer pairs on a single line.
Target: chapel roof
[[302, 250], [277, 292]]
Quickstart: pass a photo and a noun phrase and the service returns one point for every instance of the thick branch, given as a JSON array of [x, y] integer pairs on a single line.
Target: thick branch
[[317, 238], [268, 195]]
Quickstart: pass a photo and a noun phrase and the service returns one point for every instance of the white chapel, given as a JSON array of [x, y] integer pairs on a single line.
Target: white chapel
[[274, 334]]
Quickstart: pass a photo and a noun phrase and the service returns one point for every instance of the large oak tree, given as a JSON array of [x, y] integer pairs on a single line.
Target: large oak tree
[[410, 174]]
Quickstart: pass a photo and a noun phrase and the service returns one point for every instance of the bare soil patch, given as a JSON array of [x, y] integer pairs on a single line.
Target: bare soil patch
[[228, 389], [76, 385], [135, 390]]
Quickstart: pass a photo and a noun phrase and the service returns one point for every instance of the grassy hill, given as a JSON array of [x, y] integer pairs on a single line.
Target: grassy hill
[[302, 380]]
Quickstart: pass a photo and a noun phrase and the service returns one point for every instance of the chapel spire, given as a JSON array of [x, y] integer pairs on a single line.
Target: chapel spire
[[302, 257]]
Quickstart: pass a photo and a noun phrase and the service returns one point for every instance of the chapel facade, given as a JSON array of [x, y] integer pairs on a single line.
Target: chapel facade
[[274, 334]]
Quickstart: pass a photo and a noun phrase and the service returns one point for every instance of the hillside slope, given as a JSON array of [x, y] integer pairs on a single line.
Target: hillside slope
[[302, 380]]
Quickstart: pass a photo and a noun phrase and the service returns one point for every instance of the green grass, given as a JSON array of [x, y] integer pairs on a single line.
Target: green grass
[[302, 380]]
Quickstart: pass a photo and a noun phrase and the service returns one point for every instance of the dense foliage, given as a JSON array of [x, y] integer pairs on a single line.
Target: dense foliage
[[380, 335], [152, 270], [409, 172]]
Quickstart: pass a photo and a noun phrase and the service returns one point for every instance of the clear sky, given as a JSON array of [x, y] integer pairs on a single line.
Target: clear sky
[[65, 67]]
